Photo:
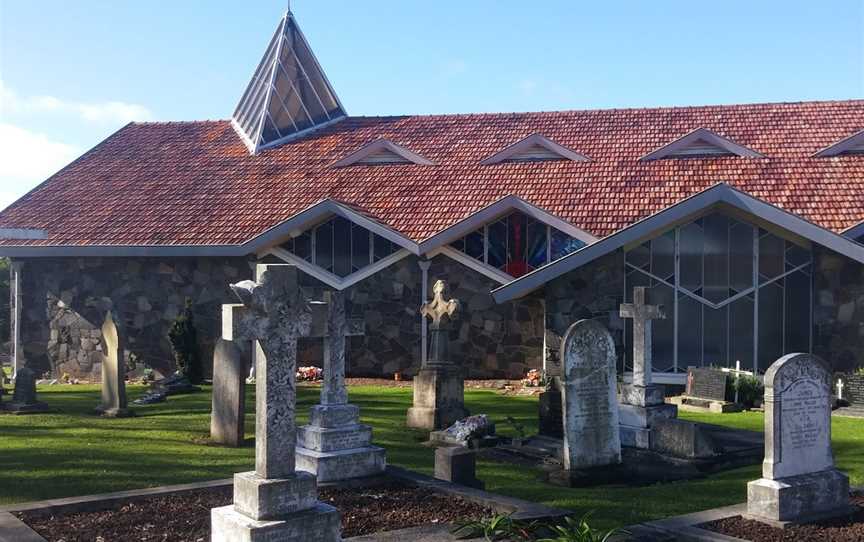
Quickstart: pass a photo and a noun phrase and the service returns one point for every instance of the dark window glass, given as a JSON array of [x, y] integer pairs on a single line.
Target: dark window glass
[[536, 232], [341, 246], [770, 324], [383, 247], [690, 332], [715, 325], [796, 256], [663, 255], [741, 257], [715, 286], [324, 246], [359, 247], [797, 312], [563, 244], [741, 332], [690, 247], [771, 250], [474, 244], [459, 244], [497, 244], [663, 331], [303, 246], [639, 256]]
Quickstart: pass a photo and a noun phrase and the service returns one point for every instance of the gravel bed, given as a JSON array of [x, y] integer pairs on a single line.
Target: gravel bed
[[844, 529], [185, 517]]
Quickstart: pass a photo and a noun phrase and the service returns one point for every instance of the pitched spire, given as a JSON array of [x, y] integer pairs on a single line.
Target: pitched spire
[[288, 94]]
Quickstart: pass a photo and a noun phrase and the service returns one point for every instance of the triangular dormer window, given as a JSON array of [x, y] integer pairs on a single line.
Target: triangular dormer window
[[851, 145], [288, 95], [701, 143], [381, 152], [534, 148]]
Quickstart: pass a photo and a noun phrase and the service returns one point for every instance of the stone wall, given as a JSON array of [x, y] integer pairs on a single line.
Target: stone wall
[[838, 317], [593, 291], [64, 301], [489, 340]]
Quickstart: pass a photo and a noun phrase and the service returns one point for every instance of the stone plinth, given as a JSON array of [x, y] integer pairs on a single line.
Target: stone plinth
[[799, 482], [457, 465], [319, 523], [438, 398], [227, 418], [338, 447]]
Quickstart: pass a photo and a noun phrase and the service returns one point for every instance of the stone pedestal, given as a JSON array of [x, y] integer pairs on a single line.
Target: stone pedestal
[[550, 414], [640, 407], [337, 447], [798, 499], [457, 465], [438, 398], [319, 523]]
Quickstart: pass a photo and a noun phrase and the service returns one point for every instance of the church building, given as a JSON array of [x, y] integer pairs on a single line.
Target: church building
[[743, 221]]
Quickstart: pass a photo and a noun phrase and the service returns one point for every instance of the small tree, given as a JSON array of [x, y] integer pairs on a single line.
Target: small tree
[[184, 341]]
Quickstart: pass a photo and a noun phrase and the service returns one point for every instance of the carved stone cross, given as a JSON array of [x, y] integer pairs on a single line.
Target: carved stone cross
[[437, 310], [277, 315], [338, 327], [642, 316]]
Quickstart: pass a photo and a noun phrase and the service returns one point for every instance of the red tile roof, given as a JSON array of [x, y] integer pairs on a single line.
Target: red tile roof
[[194, 183]]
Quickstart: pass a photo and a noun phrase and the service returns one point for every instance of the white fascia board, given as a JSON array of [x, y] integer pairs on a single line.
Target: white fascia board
[[530, 141], [705, 135], [379, 145], [472, 263], [332, 280], [720, 193], [491, 212], [841, 146]]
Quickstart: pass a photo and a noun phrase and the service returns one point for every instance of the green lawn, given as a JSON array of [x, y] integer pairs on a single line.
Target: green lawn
[[74, 452]]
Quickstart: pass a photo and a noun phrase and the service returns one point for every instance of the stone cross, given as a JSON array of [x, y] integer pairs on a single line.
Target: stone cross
[[591, 433], [338, 327], [839, 390], [642, 316], [113, 370], [277, 315], [440, 311]]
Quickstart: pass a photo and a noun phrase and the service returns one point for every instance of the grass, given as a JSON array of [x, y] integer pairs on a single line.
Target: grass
[[73, 452]]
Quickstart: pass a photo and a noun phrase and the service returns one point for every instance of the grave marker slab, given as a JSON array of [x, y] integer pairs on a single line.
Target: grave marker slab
[[227, 418], [591, 433], [705, 390], [799, 482], [24, 399], [114, 404]]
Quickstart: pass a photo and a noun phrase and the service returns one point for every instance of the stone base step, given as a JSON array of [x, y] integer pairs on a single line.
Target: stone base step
[[342, 464]]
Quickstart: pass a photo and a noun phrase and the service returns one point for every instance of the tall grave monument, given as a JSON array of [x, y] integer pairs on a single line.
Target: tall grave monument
[[591, 434], [642, 402], [114, 403], [799, 481], [335, 446], [275, 502], [439, 387]]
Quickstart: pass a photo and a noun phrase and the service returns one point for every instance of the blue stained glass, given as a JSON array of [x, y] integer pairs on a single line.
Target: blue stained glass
[[536, 237], [497, 251], [563, 244]]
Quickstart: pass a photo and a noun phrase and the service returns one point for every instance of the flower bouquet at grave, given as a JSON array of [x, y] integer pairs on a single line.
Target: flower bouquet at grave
[[309, 374], [533, 378]]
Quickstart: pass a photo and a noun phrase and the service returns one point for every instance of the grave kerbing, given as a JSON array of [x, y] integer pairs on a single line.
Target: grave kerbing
[[799, 481], [439, 386], [335, 446]]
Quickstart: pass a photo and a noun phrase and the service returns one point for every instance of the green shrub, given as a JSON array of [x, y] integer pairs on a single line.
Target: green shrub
[[184, 341], [750, 390]]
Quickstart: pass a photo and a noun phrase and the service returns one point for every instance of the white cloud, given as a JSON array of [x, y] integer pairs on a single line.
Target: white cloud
[[28, 158], [102, 113], [528, 86]]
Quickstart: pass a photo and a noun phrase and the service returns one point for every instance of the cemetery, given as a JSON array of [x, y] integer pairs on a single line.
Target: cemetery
[[318, 342]]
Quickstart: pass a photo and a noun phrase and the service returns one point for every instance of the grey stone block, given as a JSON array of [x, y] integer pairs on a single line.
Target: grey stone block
[[799, 498], [643, 396], [263, 498], [457, 465], [640, 416], [321, 439], [342, 464], [635, 437], [318, 524], [334, 415], [438, 398], [681, 438]]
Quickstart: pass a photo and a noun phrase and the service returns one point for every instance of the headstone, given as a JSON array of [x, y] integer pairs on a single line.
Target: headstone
[[591, 433], [458, 465], [24, 397], [853, 391], [275, 502], [227, 418], [642, 403], [114, 403], [439, 385], [799, 481], [551, 422], [705, 390], [335, 446]]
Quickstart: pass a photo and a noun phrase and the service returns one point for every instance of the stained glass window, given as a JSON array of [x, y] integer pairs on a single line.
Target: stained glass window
[[720, 313], [517, 244]]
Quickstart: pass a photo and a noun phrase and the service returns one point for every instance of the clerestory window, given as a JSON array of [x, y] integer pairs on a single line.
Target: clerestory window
[[517, 244], [340, 246]]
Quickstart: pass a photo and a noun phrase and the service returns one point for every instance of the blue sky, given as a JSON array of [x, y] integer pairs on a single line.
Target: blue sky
[[71, 73]]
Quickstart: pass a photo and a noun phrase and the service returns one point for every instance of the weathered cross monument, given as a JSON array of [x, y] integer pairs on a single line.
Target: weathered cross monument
[[335, 446], [642, 402], [275, 502], [591, 432], [439, 388], [114, 404], [799, 482]]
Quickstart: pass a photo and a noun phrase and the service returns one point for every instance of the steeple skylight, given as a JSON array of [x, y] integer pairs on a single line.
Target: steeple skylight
[[288, 94]]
